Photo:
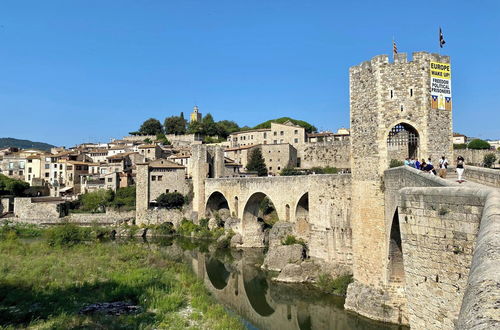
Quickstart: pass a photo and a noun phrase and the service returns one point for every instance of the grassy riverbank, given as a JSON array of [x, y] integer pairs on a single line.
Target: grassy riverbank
[[44, 287]]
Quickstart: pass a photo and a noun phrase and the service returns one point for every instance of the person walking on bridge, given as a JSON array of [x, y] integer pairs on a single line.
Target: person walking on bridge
[[460, 168], [443, 165]]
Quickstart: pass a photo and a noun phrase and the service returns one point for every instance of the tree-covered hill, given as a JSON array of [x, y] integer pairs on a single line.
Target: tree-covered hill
[[267, 124], [24, 144]]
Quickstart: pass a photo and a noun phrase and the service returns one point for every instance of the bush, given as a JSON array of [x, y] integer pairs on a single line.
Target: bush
[[338, 286], [124, 198], [324, 170], [96, 201], [66, 235], [291, 240], [187, 227], [19, 230], [173, 200], [489, 160], [395, 163], [460, 146], [478, 144], [166, 228], [289, 171]]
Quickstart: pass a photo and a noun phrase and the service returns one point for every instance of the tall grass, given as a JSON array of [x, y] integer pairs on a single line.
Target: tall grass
[[44, 287]]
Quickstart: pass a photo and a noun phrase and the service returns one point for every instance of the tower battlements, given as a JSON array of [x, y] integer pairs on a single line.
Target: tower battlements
[[400, 58]]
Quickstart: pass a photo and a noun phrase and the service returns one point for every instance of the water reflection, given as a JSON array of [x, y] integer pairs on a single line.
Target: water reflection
[[236, 281]]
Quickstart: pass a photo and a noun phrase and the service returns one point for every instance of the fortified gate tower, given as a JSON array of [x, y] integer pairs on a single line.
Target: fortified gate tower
[[398, 110]]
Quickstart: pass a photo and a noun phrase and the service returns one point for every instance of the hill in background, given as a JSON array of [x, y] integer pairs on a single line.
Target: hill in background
[[24, 144], [267, 124]]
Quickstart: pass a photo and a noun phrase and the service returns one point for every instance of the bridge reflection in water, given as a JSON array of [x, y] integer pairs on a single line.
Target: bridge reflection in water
[[236, 281]]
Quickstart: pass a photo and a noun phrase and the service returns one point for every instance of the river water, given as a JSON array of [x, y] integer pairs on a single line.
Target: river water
[[236, 280]]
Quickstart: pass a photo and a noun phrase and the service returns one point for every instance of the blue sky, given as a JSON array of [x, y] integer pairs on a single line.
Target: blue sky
[[76, 71]]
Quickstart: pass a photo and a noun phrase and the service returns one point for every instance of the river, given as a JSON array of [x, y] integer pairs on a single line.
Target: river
[[235, 279]]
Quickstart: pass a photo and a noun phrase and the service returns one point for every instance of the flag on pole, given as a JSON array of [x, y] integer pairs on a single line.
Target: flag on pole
[[441, 38], [394, 47]]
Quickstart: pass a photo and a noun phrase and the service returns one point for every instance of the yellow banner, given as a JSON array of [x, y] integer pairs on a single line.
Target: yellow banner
[[440, 70]]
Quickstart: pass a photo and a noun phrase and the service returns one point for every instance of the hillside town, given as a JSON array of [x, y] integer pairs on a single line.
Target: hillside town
[[87, 167]]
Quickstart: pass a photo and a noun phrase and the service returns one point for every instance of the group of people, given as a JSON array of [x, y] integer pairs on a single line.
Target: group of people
[[428, 167]]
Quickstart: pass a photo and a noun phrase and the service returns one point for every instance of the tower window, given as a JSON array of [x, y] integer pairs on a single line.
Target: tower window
[[392, 93], [411, 92], [401, 108]]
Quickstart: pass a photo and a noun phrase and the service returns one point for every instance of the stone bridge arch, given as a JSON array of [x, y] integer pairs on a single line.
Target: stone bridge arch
[[395, 266], [302, 223], [216, 202], [253, 225]]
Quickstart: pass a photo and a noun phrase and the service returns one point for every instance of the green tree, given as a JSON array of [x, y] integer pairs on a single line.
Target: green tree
[[162, 138], [257, 163], [489, 160], [124, 198], [175, 125], [173, 200], [9, 186], [96, 201], [226, 127], [195, 127], [308, 127], [209, 126], [478, 144], [151, 126]]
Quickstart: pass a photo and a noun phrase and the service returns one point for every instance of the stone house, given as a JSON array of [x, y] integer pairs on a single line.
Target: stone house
[[69, 177], [278, 133], [183, 160], [98, 154], [276, 156], [150, 151], [34, 164], [160, 176], [459, 138]]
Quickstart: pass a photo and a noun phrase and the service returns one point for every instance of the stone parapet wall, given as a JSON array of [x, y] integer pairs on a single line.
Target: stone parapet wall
[[321, 154], [159, 216], [472, 156], [108, 218], [438, 232], [480, 305], [486, 176]]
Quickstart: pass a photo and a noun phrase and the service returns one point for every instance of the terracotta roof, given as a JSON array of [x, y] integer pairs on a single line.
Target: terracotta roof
[[164, 163], [119, 147], [121, 155], [76, 162], [146, 146], [230, 162], [100, 150]]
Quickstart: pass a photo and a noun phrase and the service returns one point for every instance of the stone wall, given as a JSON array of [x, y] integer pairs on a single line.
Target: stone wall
[[321, 154], [486, 176], [25, 208], [159, 216], [438, 231], [480, 304], [471, 156], [4, 204]]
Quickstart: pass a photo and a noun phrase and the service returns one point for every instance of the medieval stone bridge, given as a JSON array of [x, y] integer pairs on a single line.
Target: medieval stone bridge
[[317, 205]]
